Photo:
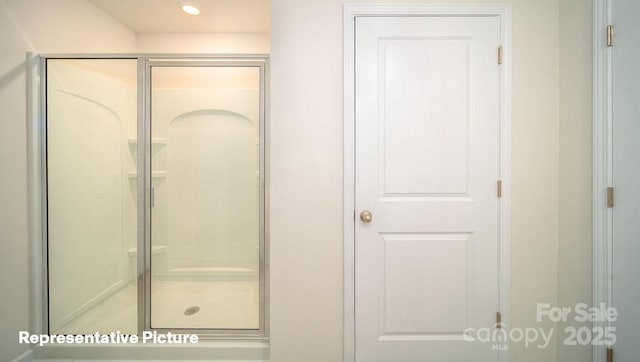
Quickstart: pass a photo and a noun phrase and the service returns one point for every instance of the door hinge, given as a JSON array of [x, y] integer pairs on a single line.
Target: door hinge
[[609, 197], [498, 320], [152, 197], [609, 354], [609, 35], [499, 188], [500, 54]]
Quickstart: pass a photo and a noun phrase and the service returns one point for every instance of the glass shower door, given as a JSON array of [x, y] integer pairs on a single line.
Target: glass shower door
[[91, 196], [206, 197]]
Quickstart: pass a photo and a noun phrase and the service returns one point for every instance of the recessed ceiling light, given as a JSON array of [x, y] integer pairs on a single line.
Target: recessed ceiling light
[[189, 8]]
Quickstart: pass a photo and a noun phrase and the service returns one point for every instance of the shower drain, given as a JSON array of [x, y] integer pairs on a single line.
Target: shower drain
[[192, 310]]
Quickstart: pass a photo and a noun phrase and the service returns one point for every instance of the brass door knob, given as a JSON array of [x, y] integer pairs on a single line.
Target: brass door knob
[[366, 216]]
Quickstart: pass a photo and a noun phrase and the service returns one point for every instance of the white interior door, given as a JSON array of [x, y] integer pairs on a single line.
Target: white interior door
[[626, 178], [427, 113]]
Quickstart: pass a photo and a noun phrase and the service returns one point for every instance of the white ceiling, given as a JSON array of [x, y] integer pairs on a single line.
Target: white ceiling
[[165, 16]]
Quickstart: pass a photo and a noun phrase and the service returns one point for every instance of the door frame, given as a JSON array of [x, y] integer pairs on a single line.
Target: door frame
[[602, 164], [144, 204], [351, 12]]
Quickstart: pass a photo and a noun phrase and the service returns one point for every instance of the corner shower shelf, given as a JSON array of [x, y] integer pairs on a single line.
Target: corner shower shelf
[[154, 174], [155, 141]]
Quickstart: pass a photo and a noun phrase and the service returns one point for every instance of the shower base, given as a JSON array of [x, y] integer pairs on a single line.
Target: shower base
[[222, 304]]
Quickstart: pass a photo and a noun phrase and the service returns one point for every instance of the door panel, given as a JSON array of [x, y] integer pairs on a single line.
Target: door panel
[[626, 178], [416, 156], [427, 152], [425, 282]]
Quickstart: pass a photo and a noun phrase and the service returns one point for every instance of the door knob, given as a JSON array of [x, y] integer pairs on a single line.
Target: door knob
[[366, 216]]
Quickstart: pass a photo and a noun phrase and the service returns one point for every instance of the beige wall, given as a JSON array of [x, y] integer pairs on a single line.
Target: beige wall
[[306, 166], [574, 244], [306, 180], [40, 26], [224, 43]]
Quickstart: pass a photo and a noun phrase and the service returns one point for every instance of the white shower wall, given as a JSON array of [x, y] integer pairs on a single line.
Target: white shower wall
[[206, 162]]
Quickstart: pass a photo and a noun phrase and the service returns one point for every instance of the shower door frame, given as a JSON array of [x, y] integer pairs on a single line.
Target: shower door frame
[[37, 116]]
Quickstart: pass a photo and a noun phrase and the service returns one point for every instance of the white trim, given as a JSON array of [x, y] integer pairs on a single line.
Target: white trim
[[504, 11], [245, 351], [602, 172], [351, 11], [250, 351]]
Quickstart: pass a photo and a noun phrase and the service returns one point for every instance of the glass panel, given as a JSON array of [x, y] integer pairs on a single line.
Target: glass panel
[[205, 237], [91, 127]]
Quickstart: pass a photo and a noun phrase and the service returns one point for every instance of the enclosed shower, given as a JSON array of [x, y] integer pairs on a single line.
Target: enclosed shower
[[153, 192]]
